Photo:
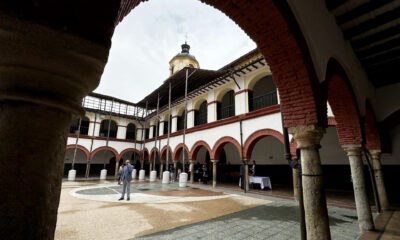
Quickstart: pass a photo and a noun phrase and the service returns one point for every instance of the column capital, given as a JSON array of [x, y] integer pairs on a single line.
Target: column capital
[[375, 153], [352, 149], [214, 161], [47, 67], [307, 136]]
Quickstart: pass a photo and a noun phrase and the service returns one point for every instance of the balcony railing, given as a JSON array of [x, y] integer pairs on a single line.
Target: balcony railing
[[227, 111], [265, 100]]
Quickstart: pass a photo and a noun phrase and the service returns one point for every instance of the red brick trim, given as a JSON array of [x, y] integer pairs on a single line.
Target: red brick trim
[[72, 146], [218, 123], [242, 91], [94, 122], [121, 126], [216, 152], [331, 121], [192, 110], [255, 137], [103, 148], [176, 116], [196, 147]]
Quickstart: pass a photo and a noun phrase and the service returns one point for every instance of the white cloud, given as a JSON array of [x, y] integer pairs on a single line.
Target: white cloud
[[146, 40]]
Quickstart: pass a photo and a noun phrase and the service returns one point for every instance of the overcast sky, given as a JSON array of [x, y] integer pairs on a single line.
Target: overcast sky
[[147, 39]]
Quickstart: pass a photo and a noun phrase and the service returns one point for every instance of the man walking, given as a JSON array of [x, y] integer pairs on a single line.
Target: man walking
[[126, 178]]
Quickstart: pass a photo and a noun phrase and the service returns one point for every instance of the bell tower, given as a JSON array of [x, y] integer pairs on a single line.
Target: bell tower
[[182, 59]]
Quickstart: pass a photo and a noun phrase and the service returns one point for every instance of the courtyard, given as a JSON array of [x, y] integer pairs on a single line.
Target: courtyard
[[91, 210]]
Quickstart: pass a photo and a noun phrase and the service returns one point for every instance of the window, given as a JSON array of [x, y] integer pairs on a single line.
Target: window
[[104, 128], [84, 129], [226, 108], [201, 115], [263, 95], [131, 131]]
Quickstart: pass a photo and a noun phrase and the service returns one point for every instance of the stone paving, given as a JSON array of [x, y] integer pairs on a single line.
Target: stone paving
[[202, 215], [276, 220]]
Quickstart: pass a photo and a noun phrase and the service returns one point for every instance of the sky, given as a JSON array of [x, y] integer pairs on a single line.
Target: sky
[[152, 34]]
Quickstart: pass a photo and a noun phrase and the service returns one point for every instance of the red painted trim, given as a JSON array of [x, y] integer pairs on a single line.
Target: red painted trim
[[215, 154], [176, 116], [103, 148], [131, 150], [218, 123], [242, 91], [151, 157], [72, 146], [164, 153], [192, 110], [121, 126], [196, 147], [255, 137], [177, 151], [213, 102], [94, 122]]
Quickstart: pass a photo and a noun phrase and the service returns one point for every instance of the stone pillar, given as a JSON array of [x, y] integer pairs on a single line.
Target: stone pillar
[[214, 162], [161, 169], [295, 182], [246, 174], [44, 75], [380, 184], [191, 169], [365, 221], [141, 164], [316, 213], [175, 170]]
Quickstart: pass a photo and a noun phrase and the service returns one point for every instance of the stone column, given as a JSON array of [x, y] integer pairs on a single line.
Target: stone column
[[161, 169], [308, 139], [246, 174], [44, 75], [295, 182], [214, 162], [380, 184], [141, 164], [175, 170], [191, 169], [365, 221]]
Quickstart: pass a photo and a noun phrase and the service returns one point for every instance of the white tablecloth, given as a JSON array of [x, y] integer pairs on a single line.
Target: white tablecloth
[[263, 181]]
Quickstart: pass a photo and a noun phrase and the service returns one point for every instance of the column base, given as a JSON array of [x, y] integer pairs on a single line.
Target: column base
[[103, 174], [71, 175], [142, 174], [183, 180], [165, 177]]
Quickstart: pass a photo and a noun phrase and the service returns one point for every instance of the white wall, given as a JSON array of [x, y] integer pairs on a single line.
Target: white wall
[[268, 151], [331, 152]]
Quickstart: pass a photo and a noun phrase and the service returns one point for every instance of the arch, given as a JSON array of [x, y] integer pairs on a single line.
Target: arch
[[163, 155], [253, 81], [372, 136], [104, 148], [253, 139], [263, 93], [343, 104], [72, 146], [200, 116], [221, 143], [153, 151], [177, 151], [131, 150], [199, 101], [196, 147], [144, 153], [223, 91]]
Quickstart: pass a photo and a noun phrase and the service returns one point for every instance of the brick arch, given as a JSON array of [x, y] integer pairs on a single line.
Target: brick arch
[[153, 150], [372, 136], [215, 154], [131, 150], [343, 104], [104, 148], [177, 151], [255, 137], [163, 155], [196, 147], [87, 154]]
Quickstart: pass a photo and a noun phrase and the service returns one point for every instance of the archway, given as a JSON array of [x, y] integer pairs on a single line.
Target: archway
[[99, 157], [131, 131], [226, 108], [133, 155], [81, 158]]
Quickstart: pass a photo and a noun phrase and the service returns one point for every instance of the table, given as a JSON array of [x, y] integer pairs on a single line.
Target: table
[[263, 181]]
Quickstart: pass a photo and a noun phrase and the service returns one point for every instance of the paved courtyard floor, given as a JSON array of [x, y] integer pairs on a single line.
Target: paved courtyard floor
[[91, 210]]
